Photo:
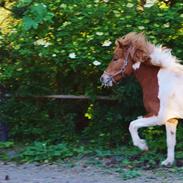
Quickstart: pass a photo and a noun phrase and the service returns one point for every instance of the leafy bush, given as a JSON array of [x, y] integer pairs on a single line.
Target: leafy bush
[[62, 47], [42, 152], [4, 145]]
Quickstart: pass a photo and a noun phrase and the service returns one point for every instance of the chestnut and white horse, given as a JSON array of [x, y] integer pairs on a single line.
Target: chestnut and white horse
[[161, 77]]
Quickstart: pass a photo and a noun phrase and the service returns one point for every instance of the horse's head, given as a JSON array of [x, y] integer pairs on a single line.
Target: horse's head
[[129, 52]]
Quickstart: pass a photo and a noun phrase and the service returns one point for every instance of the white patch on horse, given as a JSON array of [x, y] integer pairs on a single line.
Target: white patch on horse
[[136, 65], [170, 94]]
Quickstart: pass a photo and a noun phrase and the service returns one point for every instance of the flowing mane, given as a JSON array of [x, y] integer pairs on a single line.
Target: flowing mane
[[142, 50], [161, 56]]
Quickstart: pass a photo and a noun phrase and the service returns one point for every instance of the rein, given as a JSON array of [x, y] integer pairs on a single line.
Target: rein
[[121, 71]]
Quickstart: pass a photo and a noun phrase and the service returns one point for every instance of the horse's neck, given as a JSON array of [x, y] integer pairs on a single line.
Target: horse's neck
[[146, 75]]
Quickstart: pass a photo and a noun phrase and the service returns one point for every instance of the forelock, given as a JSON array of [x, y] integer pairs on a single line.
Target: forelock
[[132, 38]]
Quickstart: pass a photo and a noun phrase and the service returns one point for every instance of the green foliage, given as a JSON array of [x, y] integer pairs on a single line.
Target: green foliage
[[43, 152], [38, 14], [130, 174], [5, 145], [53, 49], [39, 120], [126, 161]]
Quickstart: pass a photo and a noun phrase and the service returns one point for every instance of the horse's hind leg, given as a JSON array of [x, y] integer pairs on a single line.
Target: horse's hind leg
[[139, 123], [171, 126]]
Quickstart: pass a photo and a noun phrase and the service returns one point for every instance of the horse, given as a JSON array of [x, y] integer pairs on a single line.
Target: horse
[[160, 76]]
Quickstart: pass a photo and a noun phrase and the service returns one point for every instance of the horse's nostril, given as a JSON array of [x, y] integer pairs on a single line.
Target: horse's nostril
[[101, 79]]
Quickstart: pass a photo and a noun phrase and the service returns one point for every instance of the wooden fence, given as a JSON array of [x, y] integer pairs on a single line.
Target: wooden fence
[[69, 97]]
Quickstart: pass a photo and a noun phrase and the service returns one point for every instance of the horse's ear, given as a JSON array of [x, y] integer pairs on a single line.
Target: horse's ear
[[119, 43]]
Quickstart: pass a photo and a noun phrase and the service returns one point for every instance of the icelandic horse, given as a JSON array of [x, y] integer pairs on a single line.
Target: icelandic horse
[[160, 76]]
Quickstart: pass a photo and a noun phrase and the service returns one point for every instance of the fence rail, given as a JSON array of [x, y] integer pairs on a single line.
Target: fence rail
[[69, 97]]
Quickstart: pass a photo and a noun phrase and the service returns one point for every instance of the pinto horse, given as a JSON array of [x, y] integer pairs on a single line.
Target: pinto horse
[[160, 75]]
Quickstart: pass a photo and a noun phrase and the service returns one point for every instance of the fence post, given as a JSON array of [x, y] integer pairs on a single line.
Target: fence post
[[3, 124], [3, 131]]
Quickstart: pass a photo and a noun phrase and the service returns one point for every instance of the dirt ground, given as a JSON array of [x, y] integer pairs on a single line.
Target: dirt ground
[[80, 173]]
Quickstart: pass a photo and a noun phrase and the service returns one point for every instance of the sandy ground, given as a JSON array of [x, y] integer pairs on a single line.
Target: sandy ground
[[80, 173]]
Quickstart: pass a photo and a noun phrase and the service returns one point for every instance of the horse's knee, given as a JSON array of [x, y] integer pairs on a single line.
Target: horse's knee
[[132, 126]]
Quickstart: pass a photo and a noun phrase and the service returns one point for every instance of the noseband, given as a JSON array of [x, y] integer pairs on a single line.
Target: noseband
[[121, 71]]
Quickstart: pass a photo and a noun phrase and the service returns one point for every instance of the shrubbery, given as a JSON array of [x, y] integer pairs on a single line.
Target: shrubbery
[[62, 47]]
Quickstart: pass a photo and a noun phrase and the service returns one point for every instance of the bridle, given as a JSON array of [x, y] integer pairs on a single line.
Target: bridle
[[121, 71]]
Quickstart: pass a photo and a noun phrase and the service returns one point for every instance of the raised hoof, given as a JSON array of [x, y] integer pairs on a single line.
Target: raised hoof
[[141, 144]]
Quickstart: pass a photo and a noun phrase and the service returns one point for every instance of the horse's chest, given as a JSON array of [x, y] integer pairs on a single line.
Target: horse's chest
[[150, 97]]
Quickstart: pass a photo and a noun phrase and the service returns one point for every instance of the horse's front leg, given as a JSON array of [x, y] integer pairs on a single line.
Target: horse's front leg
[[171, 126], [139, 123]]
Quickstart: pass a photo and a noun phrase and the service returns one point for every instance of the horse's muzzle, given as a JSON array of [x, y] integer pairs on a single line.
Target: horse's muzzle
[[106, 80]]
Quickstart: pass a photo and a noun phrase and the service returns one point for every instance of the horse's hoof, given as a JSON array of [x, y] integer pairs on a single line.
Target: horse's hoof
[[142, 145], [167, 163]]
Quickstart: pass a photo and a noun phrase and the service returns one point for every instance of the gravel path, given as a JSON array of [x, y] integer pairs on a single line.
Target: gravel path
[[35, 173]]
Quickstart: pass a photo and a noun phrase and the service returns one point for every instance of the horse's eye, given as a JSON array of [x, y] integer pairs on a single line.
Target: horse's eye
[[115, 59]]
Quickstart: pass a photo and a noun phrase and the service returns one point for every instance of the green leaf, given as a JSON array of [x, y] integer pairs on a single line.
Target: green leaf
[[29, 23]]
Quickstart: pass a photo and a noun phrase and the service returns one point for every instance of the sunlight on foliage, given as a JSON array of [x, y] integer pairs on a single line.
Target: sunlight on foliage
[[89, 113]]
